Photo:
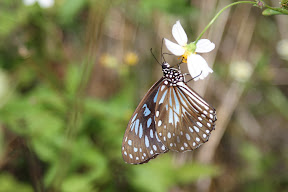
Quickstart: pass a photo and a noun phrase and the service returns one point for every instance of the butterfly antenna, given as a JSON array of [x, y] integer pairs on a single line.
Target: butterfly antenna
[[162, 52], [154, 56]]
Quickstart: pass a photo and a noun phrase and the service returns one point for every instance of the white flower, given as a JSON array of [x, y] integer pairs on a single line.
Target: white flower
[[42, 3], [197, 66]]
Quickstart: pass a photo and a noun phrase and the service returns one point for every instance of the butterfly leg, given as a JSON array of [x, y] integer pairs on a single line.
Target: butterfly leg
[[192, 77]]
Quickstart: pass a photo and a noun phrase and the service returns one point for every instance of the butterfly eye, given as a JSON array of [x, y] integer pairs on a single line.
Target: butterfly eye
[[171, 116]]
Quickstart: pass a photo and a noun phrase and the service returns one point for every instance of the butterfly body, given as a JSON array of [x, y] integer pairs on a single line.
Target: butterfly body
[[171, 116]]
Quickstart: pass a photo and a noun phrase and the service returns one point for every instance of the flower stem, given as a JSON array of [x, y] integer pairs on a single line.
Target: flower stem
[[281, 10], [217, 15]]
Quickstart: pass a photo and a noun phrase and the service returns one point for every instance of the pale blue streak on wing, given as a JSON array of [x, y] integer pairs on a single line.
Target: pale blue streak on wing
[[134, 117], [163, 97], [170, 115], [136, 124], [149, 122], [132, 126], [155, 98], [177, 106], [176, 119], [186, 101], [170, 99], [136, 129], [146, 111], [140, 131]]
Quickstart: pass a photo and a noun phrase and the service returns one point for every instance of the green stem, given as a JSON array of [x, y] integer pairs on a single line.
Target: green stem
[[281, 10], [217, 15]]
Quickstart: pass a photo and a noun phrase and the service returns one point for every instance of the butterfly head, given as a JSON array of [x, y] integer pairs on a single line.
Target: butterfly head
[[165, 65]]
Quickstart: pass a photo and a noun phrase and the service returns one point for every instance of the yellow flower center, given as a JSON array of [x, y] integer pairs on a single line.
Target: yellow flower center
[[189, 49], [185, 55]]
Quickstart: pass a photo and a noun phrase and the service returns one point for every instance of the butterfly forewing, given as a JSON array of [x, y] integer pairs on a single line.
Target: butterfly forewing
[[141, 142], [183, 119]]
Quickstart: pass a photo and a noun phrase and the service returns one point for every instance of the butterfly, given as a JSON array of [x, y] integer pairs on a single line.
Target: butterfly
[[171, 116]]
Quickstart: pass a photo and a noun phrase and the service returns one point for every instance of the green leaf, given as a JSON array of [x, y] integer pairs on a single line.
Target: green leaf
[[161, 174], [9, 183], [69, 9], [270, 12]]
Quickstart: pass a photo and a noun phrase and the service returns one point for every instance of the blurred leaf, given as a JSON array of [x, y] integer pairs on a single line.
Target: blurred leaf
[[179, 7], [279, 100], [69, 10], [77, 183], [160, 175], [8, 183], [253, 158]]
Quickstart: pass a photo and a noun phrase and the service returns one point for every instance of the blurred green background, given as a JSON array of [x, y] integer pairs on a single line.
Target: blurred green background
[[73, 71]]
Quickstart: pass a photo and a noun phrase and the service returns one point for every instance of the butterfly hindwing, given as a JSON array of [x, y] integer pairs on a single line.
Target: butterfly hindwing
[[183, 119], [141, 142]]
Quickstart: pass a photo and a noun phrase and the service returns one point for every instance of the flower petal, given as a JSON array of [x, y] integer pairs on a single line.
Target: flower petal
[[198, 67], [28, 2], [179, 34], [204, 46], [174, 48], [46, 3]]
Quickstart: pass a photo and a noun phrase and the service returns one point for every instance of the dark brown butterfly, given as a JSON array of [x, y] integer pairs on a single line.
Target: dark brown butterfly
[[171, 116]]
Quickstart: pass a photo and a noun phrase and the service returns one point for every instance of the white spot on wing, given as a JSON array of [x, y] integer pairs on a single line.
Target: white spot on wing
[[199, 124], [159, 123], [196, 128], [188, 136], [154, 147], [157, 137], [169, 135], [135, 149], [157, 114], [129, 142], [191, 130]]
